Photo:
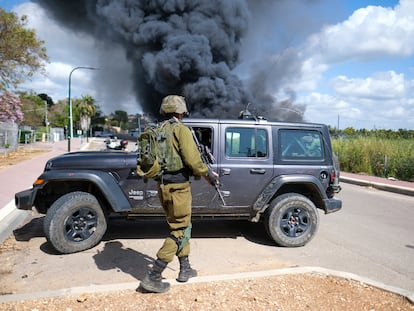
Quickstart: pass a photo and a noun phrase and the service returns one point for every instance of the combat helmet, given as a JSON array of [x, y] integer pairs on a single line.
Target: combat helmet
[[173, 104]]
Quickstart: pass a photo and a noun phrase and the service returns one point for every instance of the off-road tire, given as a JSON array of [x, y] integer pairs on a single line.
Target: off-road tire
[[75, 222], [292, 220]]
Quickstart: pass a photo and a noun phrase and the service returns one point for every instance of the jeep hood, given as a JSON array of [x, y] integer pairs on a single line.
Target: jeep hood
[[101, 160]]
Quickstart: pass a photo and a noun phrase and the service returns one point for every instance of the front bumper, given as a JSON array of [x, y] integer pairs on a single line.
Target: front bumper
[[24, 200]]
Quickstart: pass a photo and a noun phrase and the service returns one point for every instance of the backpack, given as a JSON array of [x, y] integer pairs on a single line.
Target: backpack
[[156, 152]]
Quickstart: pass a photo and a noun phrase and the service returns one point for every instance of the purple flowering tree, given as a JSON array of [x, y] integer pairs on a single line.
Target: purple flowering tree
[[10, 108]]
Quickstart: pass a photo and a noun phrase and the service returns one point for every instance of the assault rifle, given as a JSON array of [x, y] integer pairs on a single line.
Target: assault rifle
[[208, 159]]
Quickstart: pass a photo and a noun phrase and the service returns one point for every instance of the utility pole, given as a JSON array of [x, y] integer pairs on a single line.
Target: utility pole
[[48, 101]]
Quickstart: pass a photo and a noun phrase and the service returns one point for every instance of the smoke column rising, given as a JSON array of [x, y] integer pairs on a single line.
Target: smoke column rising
[[187, 47]]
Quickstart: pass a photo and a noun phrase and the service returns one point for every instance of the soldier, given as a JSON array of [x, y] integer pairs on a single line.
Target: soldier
[[175, 196]]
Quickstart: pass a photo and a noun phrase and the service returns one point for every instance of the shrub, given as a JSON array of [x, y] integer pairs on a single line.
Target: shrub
[[376, 156]]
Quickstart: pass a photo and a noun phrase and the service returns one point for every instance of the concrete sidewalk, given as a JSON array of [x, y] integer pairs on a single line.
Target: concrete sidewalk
[[386, 184]]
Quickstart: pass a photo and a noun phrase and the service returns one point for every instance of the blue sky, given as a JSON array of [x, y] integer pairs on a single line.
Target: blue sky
[[8, 5], [357, 61]]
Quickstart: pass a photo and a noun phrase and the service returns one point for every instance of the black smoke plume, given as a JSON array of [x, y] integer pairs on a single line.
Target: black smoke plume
[[186, 47]]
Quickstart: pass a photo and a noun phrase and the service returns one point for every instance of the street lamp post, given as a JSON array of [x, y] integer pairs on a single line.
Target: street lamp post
[[70, 134], [47, 123]]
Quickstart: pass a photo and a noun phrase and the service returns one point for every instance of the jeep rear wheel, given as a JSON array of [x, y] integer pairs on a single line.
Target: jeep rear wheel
[[75, 222], [292, 220]]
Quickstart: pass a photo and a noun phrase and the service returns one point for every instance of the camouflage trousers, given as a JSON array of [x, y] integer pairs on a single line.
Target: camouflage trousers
[[176, 200]]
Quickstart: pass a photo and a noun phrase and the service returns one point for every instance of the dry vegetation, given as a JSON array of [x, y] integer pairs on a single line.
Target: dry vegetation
[[288, 293], [21, 154]]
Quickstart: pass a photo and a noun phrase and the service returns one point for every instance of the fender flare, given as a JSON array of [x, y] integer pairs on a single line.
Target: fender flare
[[264, 198], [104, 181]]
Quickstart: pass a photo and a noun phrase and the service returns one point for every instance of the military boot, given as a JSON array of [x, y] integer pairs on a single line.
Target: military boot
[[186, 271], [153, 280]]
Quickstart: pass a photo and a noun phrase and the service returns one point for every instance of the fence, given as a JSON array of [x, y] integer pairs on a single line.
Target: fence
[[11, 136], [8, 136]]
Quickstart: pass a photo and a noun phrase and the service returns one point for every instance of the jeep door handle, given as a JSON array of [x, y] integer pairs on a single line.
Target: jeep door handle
[[257, 171], [225, 171]]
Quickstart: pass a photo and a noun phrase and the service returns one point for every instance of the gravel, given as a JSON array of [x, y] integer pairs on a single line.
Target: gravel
[[311, 291]]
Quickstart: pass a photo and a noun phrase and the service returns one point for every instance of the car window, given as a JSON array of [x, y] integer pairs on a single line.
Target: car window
[[300, 144], [246, 142], [204, 136]]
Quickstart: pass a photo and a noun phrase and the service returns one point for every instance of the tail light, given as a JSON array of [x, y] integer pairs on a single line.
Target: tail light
[[334, 181], [333, 176]]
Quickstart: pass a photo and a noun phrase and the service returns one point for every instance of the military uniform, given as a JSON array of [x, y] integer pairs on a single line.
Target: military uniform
[[175, 195]]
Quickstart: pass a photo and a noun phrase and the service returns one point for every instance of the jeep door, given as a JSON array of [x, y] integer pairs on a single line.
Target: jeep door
[[303, 151], [245, 162], [143, 196], [205, 197]]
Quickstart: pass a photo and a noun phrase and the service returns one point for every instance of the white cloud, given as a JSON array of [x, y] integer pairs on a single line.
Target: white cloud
[[62, 45], [65, 51], [312, 72], [110, 86], [381, 98], [335, 111], [383, 85], [369, 114], [369, 32]]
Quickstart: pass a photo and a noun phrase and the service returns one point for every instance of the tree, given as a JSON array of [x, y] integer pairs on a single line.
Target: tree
[[10, 108], [349, 131], [33, 109], [58, 114], [122, 118], [135, 122], [86, 108], [21, 52], [98, 121]]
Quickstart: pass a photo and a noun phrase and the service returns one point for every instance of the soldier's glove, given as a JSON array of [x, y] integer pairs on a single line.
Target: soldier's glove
[[212, 177]]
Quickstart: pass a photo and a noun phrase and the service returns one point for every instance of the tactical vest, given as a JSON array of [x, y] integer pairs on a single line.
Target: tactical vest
[[156, 152]]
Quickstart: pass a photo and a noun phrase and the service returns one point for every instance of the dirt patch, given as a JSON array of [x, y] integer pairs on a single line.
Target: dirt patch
[[289, 292], [9, 245], [21, 154], [310, 291]]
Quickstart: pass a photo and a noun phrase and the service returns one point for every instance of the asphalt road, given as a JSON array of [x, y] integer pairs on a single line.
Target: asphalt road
[[372, 236]]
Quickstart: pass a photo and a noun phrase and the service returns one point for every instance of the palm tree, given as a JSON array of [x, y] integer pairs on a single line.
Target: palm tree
[[87, 109]]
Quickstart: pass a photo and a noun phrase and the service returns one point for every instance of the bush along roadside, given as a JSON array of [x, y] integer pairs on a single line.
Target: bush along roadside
[[381, 157]]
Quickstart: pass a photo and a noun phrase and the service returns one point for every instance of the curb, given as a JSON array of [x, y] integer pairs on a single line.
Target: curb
[[10, 218], [204, 279], [377, 185]]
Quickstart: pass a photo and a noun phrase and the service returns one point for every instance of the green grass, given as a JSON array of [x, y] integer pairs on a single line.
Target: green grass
[[382, 157]]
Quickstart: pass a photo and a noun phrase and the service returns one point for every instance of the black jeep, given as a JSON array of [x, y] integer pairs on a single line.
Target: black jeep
[[274, 172]]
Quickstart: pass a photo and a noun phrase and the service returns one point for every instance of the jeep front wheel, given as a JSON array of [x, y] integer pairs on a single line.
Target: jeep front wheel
[[75, 222], [292, 220]]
